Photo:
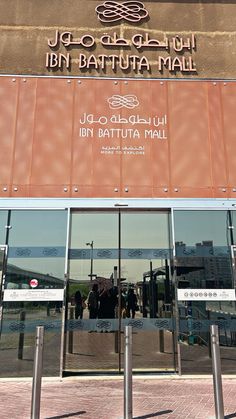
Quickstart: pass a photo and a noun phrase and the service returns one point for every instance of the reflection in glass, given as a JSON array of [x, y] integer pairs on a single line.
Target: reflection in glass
[[136, 245], [203, 249], [93, 245], [92, 291], [37, 246], [146, 286], [145, 266], [203, 242], [3, 226]]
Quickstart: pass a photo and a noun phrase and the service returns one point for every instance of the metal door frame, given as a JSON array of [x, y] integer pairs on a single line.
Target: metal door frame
[[3, 248], [118, 211]]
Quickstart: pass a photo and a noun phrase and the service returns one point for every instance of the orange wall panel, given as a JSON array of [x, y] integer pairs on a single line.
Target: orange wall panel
[[218, 160], [228, 98], [189, 146], [90, 165], [9, 92], [52, 132], [111, 138], [24, 131]]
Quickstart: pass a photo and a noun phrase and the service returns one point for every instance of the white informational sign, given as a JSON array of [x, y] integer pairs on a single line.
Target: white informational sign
[[33, 295], [202, 294]]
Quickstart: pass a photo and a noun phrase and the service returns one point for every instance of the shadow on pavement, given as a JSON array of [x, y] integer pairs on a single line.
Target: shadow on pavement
[[232, 415], [152, 415], [67, 415]]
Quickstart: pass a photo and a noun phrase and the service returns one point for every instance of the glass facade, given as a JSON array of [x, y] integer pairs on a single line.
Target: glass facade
[[36, 243], [125, 267], [203, 241], [126, 256]]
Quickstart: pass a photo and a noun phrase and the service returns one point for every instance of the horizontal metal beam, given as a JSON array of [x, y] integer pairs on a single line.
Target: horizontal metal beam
[[111, 203]]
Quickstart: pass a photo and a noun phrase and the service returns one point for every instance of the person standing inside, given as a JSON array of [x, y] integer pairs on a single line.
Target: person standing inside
[[132, 303], [93, 302], [78, 305]]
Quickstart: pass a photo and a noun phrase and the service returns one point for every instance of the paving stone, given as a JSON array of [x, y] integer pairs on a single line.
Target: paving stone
[[103, 398]]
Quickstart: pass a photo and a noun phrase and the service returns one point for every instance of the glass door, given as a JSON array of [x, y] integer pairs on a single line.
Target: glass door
[[147, 288], [204, 241], [3, 253], [119, 274], [92, 295]]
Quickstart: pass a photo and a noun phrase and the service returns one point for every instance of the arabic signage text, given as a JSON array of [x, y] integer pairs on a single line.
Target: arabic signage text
[[176, 55], [33, 294]]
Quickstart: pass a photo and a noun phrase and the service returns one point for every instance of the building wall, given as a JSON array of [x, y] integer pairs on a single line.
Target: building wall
[[26, 26], [68, 138]]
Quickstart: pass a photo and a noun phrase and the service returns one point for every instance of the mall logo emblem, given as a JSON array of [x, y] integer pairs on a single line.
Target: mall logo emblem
[[112, 11], [138, 324], [103, 324], [125, 101]]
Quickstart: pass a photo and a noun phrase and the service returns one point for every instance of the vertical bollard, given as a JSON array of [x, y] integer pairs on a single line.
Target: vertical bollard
[[128, 403], [71, 336], [37, 373], [161, 341], [216, 367], [21, 337]]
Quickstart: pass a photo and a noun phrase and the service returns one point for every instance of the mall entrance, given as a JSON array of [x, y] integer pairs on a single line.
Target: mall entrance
[[85, 274], [120, 273]]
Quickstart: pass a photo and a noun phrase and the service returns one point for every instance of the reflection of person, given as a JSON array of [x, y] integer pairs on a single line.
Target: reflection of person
[[108, 301], [123, 305], [78, 305], [93, 302], [58, 306], [131, 303]]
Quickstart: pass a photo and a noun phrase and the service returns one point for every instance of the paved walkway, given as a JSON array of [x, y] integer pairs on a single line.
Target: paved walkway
[[102, 398]]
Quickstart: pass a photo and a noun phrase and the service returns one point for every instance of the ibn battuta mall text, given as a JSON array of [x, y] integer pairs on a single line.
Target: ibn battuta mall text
[[115, 62]]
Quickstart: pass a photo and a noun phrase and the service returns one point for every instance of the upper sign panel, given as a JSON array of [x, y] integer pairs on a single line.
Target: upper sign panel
[[118, 39]]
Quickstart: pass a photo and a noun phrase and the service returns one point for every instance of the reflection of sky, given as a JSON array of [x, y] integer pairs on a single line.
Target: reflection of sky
[[51, 266], [138, 230], [193, 227], [39, 228], [147, 230], [102, 228], [3, 223]]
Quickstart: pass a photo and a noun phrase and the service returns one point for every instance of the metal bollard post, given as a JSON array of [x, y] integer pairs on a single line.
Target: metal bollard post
[[116, 342], [161, 341], [216, 367], [37, 373], [128, 395], [71, 333], [21, 337]]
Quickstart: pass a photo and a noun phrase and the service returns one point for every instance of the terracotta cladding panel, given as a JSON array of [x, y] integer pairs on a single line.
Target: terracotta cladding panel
[[216, 131], [145, 170], [228, 91], [82, 144], [189, 142], [24, 131], [160, 148], [53, 132], [90, 165], [46, 152], [9, 90], [47, 191]]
